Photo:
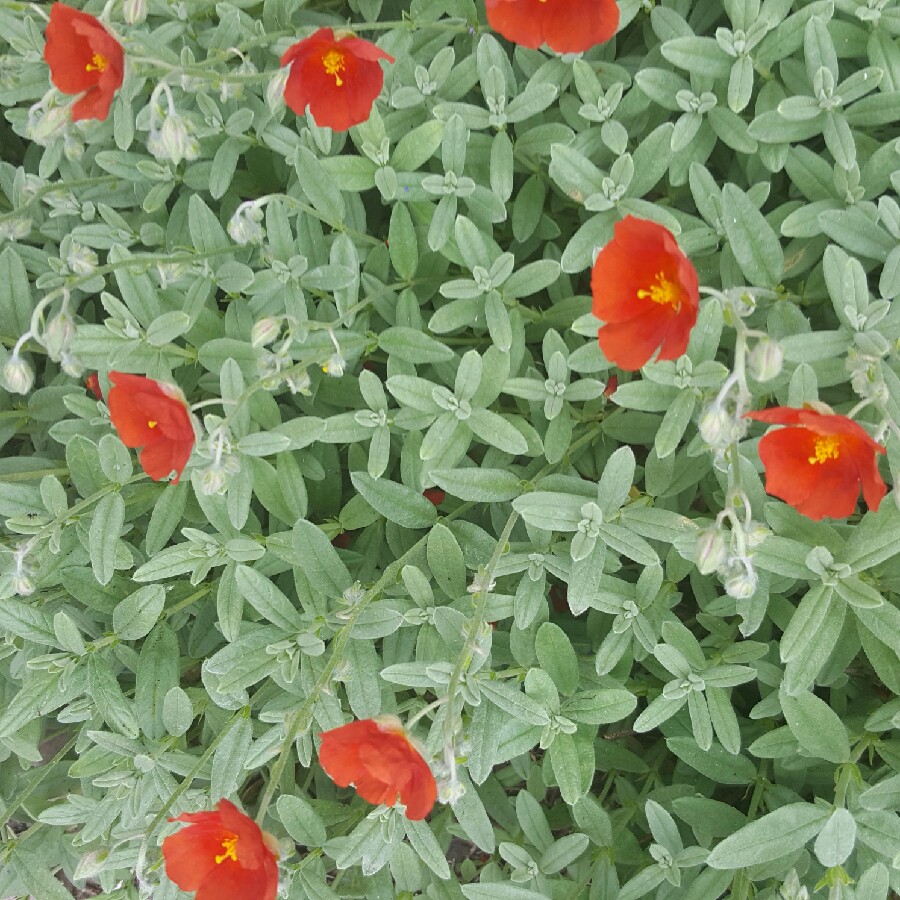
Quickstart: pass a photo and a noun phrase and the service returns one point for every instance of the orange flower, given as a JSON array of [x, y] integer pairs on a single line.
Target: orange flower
[[223, 855], [566, 26], [435, 495], [83, 58], [338, 77], [379, 759], [155, 416], [647, 292], [818, 464]]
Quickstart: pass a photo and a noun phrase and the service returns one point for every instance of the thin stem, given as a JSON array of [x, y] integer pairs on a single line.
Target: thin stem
[[424, 712]]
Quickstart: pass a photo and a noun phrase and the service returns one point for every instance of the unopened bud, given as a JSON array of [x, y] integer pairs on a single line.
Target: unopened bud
[[81, 260], [743, 580], [58, 335], [711, 552], [46, 127], [173, 141], [300, 383], [765, 360], [715, 425], [71, 365], [14, 229], [213, 479], [18, 376], [134, 11], [275, 90], [72, 147], [264, 331], [245, 227]]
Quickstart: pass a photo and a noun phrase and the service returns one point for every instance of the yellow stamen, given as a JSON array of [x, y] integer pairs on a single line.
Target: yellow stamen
[[333, 61], [98, 63], [152, 424], [230, 845], [662, 292], [826, 448]]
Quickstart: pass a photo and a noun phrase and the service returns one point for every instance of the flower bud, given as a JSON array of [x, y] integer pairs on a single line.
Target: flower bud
[[244, 226], [715, 425], [173, 141], [18, 376], [71, 365], [45, 127], [711, 552], [741, 583], [134, 11], [765, 360], [58, 335], [264, 331], [213, 479], [14, 229], [275, 90], [81, 260], [300, 383]]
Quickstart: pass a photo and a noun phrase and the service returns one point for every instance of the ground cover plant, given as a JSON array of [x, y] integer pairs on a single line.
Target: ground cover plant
[[449, 449]]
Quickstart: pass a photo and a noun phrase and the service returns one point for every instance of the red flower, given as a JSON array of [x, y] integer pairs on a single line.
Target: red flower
[[92, 383], [435, 495], [566, 26], [83, 58], [647, 292], [378, 758], [155, 416], [818, 464], [338, 77], [223, 855]]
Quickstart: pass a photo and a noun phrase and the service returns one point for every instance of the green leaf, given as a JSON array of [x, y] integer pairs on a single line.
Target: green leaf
[[106, 527], [136, 615], [317, 185], [422, 840], [228, 760], [413, 346], [301, 821], [564, 758], [108, 698], [158, 672], [716, 763], [396, 502], [600, 707], [557, 657], [835, 841], [755, 245], [177, 711], [481, 485], [319, 560], [446, 561], [816, 726], [268, 600], [550, 510], [774, 835]]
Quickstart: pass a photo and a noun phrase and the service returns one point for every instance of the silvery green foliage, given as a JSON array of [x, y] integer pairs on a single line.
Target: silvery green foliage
[[688, 689]]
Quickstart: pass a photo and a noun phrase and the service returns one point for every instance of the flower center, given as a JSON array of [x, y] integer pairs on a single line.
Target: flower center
[[152, 424], [98, 63], [230, 846], [333, 61], [663, 292], [825, 448]]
